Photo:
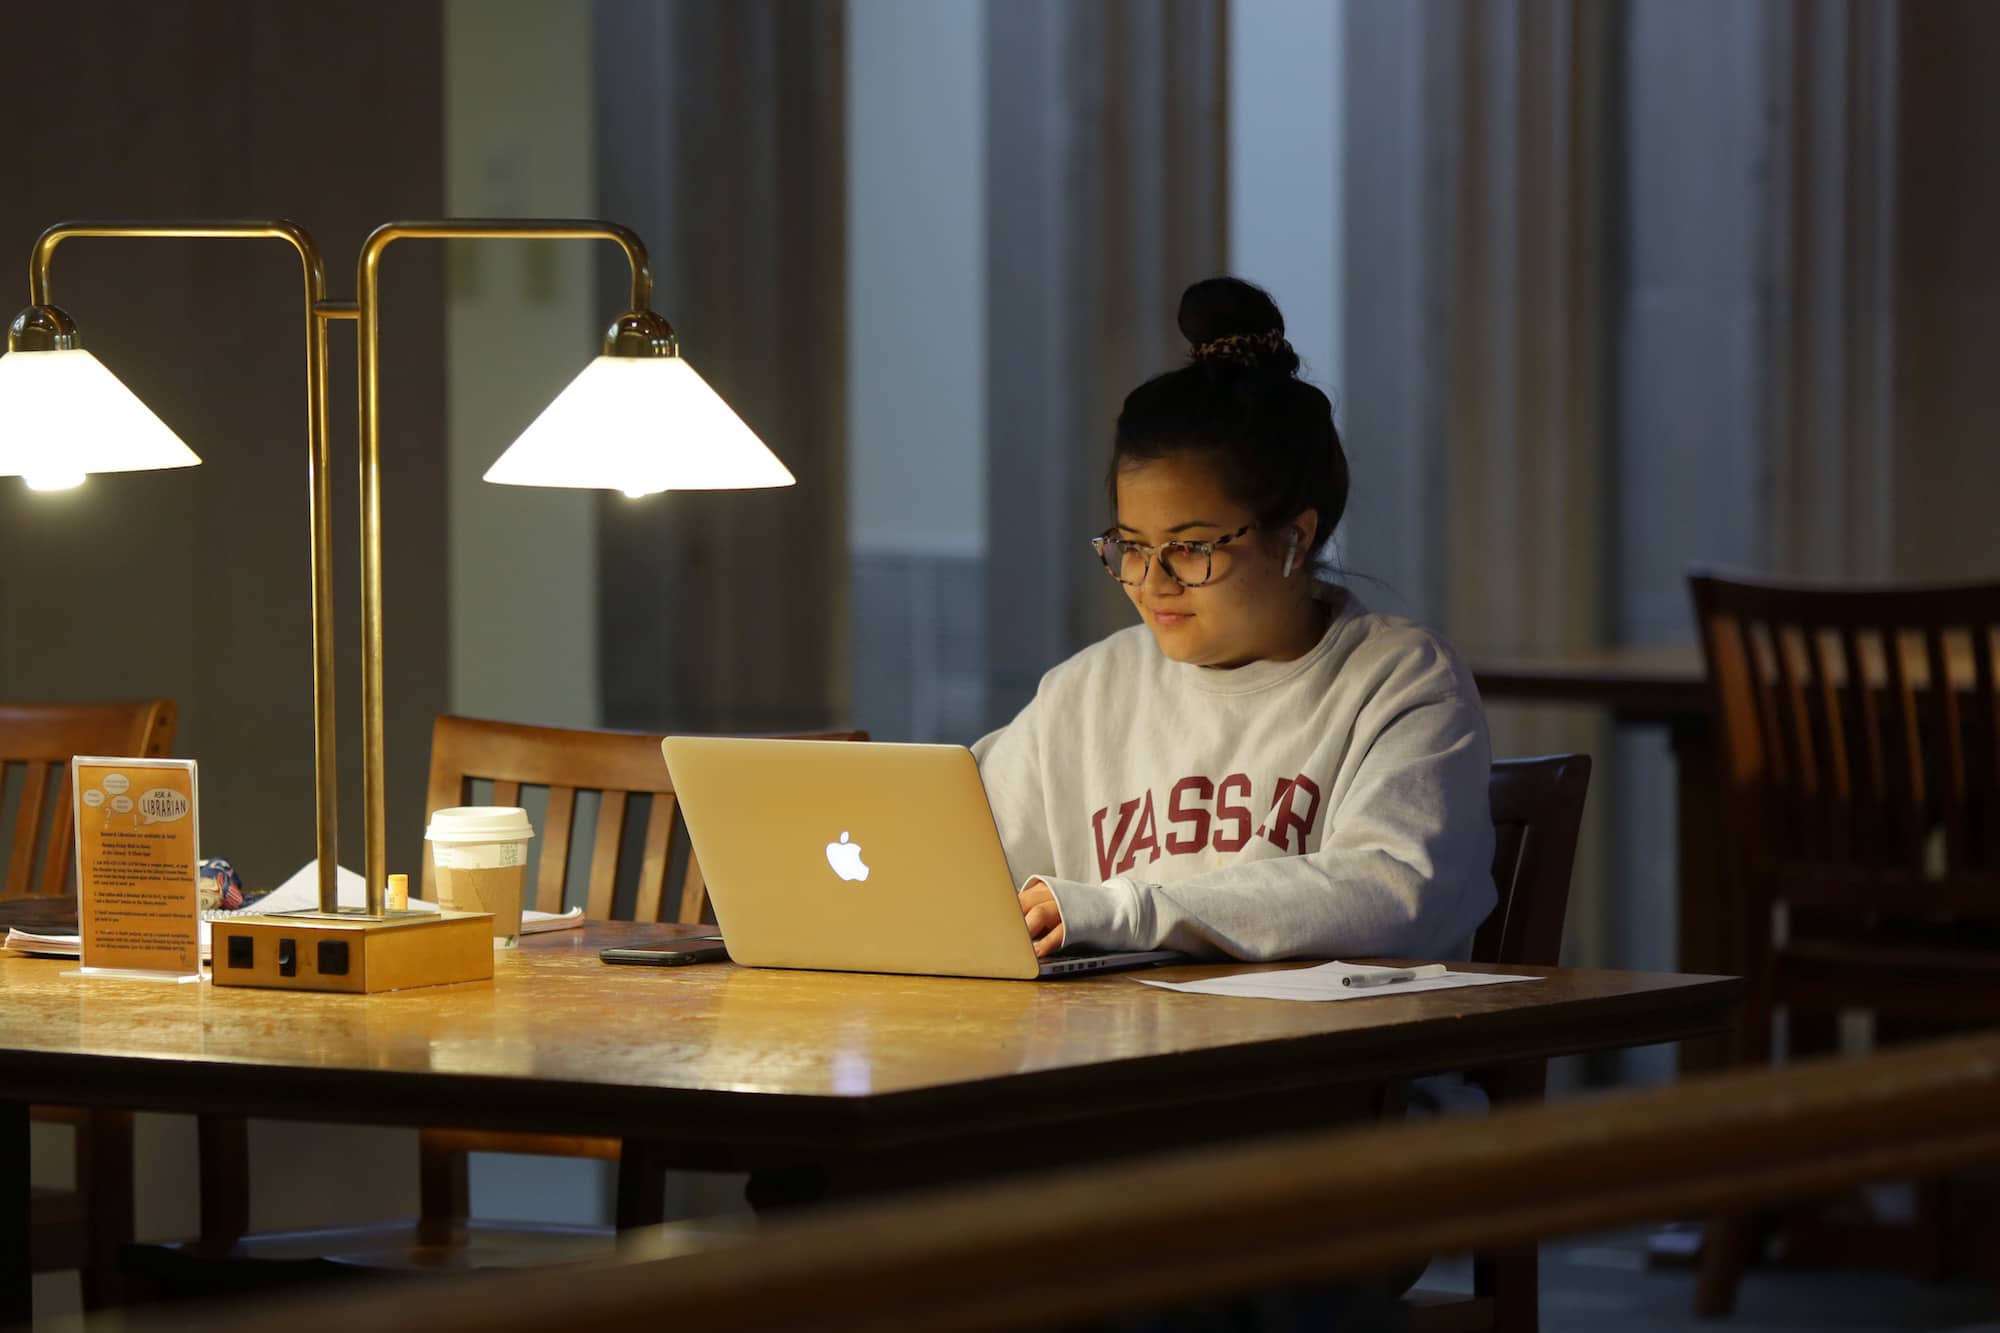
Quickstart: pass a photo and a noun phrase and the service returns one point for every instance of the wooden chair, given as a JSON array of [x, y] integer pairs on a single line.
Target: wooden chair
[[1860, 747], [81, 1228], [619, 767], [1537, 809], [616, 765]]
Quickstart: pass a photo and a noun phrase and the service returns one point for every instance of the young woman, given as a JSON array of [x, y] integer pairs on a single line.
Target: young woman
[[1264, 768]]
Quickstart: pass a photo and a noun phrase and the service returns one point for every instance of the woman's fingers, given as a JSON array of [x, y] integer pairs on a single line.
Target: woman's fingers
[[1044, 917]]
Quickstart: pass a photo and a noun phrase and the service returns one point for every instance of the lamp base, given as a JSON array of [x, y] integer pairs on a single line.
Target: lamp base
[[359, 955]]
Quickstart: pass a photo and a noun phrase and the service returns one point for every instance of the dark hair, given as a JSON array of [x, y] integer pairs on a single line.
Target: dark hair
[[1240, 406]]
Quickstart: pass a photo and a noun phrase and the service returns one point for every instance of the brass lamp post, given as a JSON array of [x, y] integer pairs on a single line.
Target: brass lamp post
[[637, 419]]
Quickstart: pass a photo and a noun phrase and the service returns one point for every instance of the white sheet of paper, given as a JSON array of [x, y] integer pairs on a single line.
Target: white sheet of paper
[[1322, 982], [301, 892], [535, 923]]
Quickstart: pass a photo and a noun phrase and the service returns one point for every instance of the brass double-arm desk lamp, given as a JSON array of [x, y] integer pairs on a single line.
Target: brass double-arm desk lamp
[[637, 419]]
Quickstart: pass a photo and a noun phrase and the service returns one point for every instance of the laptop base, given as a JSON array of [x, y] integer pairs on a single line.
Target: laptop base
[[1108, 962]]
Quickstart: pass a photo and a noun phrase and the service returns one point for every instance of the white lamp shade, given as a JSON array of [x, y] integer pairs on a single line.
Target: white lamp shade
[[638, 425], [62, 414]]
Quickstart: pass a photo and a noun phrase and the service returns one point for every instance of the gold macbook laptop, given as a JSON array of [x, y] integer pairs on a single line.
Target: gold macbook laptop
[[856, 856]]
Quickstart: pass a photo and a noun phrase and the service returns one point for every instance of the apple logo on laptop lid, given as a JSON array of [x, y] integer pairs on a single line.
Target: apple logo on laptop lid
[[845, 858]]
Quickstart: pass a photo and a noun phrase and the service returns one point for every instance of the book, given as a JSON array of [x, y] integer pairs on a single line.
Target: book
[[51, 944]]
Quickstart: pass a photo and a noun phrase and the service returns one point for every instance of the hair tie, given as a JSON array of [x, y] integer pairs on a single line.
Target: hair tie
[[1248, 348]]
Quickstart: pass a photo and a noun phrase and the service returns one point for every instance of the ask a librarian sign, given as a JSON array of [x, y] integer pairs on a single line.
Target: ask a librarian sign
[[138, 833]]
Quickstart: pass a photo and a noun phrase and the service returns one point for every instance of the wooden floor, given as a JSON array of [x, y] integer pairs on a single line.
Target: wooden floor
[[1600, 1284]]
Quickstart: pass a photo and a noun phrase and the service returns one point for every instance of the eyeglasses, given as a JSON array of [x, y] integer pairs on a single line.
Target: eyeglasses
[[1189, 564]]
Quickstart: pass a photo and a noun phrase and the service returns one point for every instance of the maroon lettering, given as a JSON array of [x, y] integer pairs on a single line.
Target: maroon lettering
[[1177, 845], [1286, 817], [1104, 853], [1225, 813], [1143, 838]]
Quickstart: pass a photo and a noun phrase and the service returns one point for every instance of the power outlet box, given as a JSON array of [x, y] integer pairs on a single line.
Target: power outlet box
[[358, 955]]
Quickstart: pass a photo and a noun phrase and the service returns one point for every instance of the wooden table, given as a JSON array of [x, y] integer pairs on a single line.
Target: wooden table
[[1652, 687], [1660, 685], [875, 1081]]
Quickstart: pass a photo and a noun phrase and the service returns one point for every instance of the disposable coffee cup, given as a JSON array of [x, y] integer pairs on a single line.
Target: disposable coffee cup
[[481, 854]]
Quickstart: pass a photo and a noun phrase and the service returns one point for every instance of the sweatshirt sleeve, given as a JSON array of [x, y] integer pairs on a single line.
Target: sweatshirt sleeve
[[1404, 867], [1010, 767]]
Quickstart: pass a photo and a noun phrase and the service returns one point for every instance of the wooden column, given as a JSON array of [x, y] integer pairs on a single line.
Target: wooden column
[[1105, 198], [719, 138]]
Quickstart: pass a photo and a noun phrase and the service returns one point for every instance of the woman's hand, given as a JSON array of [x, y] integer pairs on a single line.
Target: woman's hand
[[1044, 914]]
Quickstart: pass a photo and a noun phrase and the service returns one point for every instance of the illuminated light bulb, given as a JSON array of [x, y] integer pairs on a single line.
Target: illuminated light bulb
[[52, 480]]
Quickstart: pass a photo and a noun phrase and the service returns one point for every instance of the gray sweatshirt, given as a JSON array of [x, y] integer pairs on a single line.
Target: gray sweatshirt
[[1332, 806]]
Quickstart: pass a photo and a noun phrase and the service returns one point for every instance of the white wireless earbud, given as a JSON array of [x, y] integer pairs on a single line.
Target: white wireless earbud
[[1291, 551]]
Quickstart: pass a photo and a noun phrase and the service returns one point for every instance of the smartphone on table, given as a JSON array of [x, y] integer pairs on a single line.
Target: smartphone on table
[[671, 953]]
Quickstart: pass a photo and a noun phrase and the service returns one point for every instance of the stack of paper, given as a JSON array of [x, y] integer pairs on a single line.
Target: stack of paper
[[1327, 981], [299, 893]]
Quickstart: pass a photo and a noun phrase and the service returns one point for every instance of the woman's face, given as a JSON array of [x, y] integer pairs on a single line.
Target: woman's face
[[1248, 610]]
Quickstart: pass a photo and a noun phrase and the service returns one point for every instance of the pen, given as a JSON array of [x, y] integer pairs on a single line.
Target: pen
[[1389, 975]]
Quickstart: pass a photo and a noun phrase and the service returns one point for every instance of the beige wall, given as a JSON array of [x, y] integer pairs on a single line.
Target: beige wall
[[522, 319], [193, 584]]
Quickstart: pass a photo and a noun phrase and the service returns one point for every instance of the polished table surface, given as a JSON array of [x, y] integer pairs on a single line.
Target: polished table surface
[[884, 1078], [634, 1049]]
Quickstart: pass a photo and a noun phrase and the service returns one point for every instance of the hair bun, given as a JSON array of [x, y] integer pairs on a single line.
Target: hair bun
[[1226, 318]]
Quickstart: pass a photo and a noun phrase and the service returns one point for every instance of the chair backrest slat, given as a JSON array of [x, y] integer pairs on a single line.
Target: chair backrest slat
[[1910, 768], [62, 842], [653, 865], [43, 738], [1986, 707], [1948, 728], [1759, 651], [616, 765], [1794, 720], [28, 827], [694, 892], [1870, 816], [604, 855], [1837, 794], [554, 870], [1782, 799]]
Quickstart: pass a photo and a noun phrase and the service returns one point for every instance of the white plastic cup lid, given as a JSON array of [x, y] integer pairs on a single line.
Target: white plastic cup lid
[[480, 823]]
